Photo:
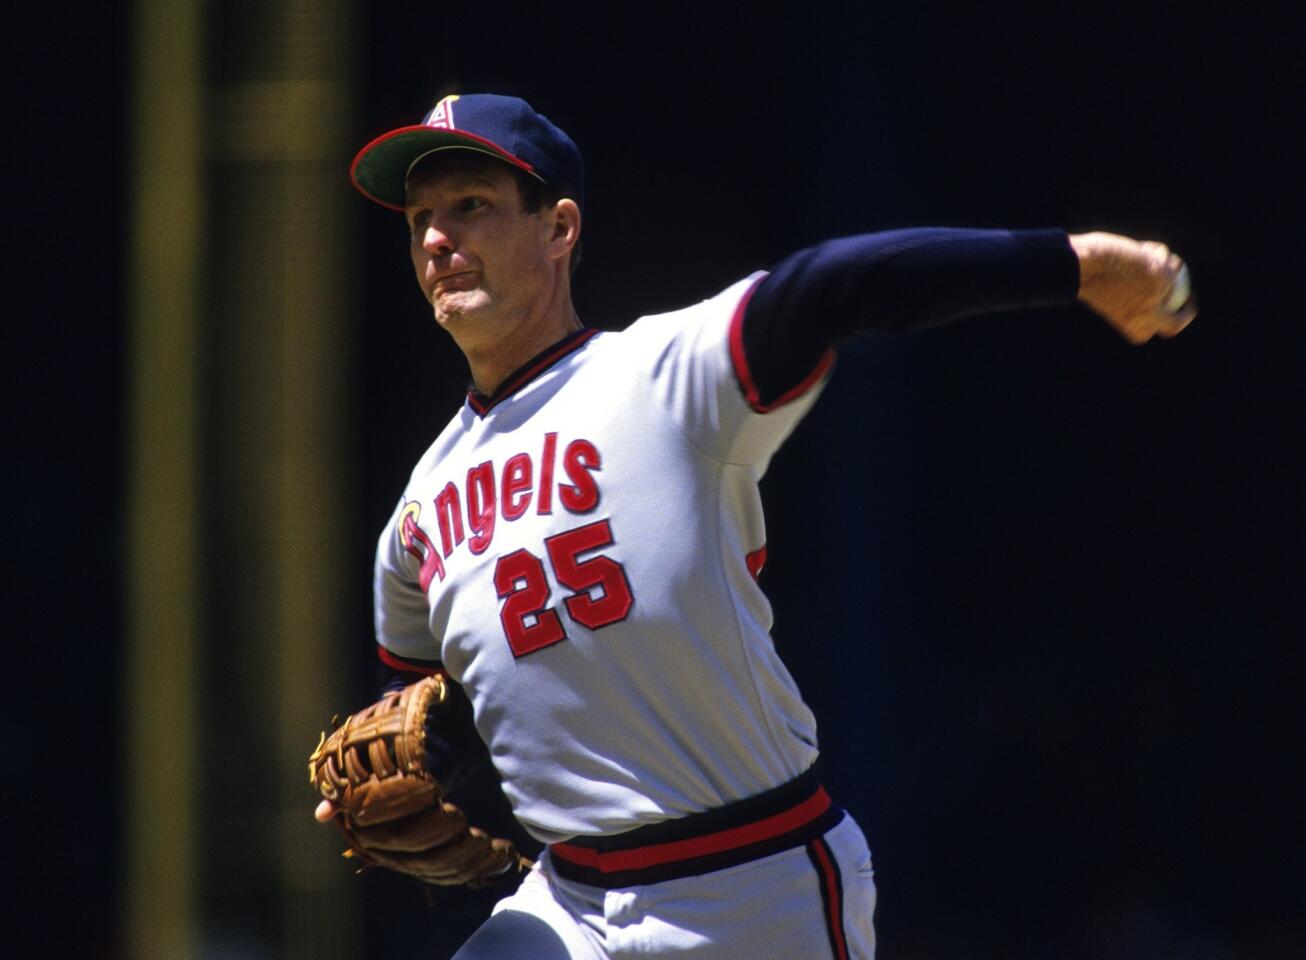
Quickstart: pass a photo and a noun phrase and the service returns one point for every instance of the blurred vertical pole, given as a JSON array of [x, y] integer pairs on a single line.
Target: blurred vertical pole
[[161, 659], [280, 421]]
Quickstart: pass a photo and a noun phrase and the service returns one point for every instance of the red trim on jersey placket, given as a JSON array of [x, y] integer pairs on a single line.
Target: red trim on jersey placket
[[831, 895], [532, 369], [756, 561], [407, 664], [739, 360], [719, 842]]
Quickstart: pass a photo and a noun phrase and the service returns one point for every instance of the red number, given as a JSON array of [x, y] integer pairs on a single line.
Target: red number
[[521, 584], [602, 594], [614, 599]]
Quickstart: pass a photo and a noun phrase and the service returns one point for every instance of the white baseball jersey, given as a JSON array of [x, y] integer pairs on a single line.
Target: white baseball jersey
[[581, 556]]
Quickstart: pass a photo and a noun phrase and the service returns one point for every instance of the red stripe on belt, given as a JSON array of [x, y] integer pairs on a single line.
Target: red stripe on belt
[[723, 840]]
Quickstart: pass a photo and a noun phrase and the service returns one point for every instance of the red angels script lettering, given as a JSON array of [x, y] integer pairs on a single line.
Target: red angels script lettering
[[449, 513], [516, 497], [490, 494], [544, 503], [481, 506], [582, 495]]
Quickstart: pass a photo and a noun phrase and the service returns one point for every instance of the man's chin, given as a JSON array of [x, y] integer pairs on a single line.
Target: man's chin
[[447, 311], [455, 307]]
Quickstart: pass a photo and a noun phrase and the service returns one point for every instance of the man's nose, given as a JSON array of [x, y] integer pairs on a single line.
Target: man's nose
[[436, 242]]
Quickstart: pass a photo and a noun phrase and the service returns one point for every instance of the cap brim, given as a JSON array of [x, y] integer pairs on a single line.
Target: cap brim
[[380, 171]]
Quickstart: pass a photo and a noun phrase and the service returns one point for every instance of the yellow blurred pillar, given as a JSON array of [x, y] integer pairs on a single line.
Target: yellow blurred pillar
[[237, 476], [159, 683], [280, 111]]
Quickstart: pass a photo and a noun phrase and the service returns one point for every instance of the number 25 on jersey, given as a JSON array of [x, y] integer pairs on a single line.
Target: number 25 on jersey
[[601, 591]]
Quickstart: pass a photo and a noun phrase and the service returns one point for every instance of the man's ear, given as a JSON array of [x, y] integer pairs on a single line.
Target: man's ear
[[566, 229]]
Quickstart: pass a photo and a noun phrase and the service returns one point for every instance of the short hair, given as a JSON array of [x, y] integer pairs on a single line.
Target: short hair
[[535, 194]]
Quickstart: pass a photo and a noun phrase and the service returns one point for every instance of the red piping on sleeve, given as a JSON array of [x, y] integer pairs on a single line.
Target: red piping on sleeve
[[739, 360], [425, 667]]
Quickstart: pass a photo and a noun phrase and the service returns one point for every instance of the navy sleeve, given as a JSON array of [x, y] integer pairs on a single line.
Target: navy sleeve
[[896, 280]]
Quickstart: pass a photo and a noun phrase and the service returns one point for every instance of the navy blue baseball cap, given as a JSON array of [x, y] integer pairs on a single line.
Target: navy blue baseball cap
[[504, 127]]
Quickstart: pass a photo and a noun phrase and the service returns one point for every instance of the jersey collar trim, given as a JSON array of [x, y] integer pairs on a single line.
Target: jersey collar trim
[[528, 371]]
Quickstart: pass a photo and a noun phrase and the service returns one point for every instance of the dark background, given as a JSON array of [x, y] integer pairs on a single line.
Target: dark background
[[1044, 590]]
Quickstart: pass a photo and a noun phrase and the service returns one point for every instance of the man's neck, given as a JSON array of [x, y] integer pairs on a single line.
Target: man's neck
[[492, 366]]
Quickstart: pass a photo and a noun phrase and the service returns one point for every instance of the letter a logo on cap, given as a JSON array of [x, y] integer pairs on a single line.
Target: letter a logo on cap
[[442, 115]]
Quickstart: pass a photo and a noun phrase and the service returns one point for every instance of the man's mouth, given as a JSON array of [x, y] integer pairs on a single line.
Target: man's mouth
[[456, 281]]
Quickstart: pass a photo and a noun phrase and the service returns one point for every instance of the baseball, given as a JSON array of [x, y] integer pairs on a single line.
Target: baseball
[[1179, 292]]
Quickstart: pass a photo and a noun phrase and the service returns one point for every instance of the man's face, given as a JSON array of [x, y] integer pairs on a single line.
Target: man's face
[[480, 260]]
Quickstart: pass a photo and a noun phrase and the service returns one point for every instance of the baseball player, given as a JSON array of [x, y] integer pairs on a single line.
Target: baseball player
[[578, 551]]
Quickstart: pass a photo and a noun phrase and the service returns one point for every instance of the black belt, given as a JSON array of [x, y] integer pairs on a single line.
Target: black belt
[[787, 816]]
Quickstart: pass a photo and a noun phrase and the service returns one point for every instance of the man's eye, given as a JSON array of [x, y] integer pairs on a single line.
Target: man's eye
[[420, 219], [468, 204]]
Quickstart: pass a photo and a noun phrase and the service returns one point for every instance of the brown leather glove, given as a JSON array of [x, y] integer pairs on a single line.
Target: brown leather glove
[[391, 809]]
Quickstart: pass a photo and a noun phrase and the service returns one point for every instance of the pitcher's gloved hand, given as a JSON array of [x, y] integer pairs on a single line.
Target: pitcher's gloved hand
[[371, 772]]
